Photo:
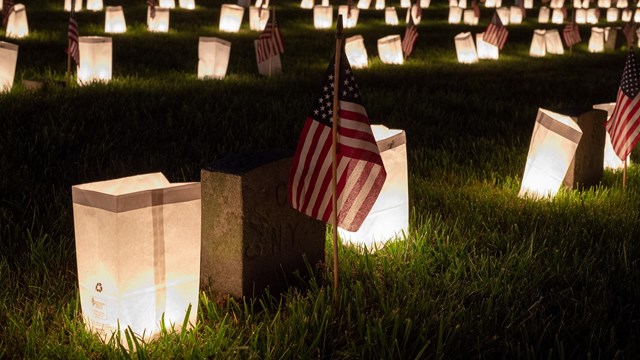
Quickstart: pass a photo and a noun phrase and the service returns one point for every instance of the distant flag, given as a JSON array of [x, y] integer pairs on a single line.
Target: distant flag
[[73, 47], [629, 32], [571, 34], [360, 171], [152, 8], [496, 34], [7, 9], [270, 41], [522, 8], [476, 8], [624, 123], [410, 37]]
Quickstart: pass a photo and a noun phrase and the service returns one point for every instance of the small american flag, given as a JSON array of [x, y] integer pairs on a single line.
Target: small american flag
[[476, 8], [624, 124], [522, 8], [360, 171], [496, 34], [629, 32], [571, 34], [410, 37], [152, 8], [7, 9], [270, 41], [73, 47]]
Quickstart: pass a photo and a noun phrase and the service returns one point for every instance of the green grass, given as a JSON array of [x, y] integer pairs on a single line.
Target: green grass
[[481, 273]]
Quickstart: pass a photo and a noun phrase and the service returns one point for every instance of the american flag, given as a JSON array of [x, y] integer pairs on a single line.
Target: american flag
[[360, 171], [522, 9], [73, 49], [476, 8], [410, 37], [496, 34], [270, 41], [152, 8], [571, 34], [624, 124], [7, 9], [629, 32]]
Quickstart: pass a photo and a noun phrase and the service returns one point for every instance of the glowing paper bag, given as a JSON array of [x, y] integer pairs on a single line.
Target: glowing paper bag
[[553, 146], [138, 253]]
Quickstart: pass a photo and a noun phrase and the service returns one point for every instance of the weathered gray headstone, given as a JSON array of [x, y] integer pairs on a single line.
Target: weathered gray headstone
[[252, 239], [586, 169]]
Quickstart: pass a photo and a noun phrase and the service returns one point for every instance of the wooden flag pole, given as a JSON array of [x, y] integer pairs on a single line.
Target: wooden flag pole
[[630, 41], [624, 176], [73, 8], [273, 24], [334, 151]]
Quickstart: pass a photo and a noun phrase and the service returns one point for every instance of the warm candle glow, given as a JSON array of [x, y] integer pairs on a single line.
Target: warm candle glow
[[356, 52], [95, 59], [553, 145], [322, 17], [114, 22], [465, 48], [543, 15], [8, 60], [390, 16], [160, 22], [596, 41], [138, 254], [230, 17], [390, 50], [17, 25], [485, 50], [213, 57]]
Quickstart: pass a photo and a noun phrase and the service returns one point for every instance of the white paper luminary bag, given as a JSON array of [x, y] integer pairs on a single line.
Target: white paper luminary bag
[[356, 52], [8, 60], [213, 57], [138, 253], [553, 146]]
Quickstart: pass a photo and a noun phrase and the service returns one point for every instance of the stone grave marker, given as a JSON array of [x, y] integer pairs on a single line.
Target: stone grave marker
[[252, 239]]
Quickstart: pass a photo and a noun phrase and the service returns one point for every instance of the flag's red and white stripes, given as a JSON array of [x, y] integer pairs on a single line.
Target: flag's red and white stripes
[[73, 46], [359, 169], [624, 123], [270, 41], [571, 34], [496, 34], [410, 37]]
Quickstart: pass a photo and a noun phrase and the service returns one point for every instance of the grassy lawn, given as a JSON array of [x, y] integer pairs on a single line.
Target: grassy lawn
[[481, 273]]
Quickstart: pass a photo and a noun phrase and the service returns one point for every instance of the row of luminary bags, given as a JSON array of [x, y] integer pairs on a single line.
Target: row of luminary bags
[[213, 53], [139, 238], [544, 41]]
